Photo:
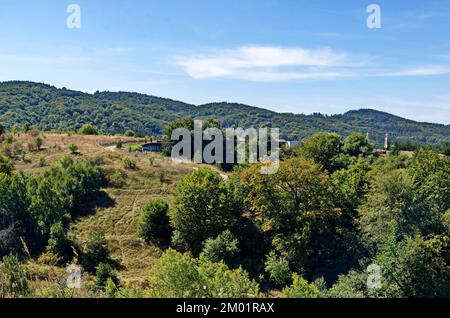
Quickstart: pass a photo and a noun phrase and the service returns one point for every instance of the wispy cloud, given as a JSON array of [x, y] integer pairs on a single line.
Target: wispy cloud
[[419, 71], [268, 63], [44, 59], [262, 63]]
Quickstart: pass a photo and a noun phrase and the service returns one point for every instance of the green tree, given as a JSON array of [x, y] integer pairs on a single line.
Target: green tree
[[416, 267], [351, 285], [95, 251], [300, 288], [58, 242], [202, 209], [38, 142], [73, 149], [6, 165], [88, 129], [356, 144], [129, 133], [295, 208], [278, 269], [47, 206], [391, 203], [222, 248], [15, 281], [178, 275], [321, 147], [154, 221], [103, 274]]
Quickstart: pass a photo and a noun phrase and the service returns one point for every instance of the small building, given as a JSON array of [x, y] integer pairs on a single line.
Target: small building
[[154, 146]]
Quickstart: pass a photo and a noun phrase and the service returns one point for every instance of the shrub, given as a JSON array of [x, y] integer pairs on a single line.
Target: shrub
[[15, 282], [119, 144], [300, 289], [95, 252], [6, 165], [117, 178], [104, 274], [129, 133], [88, 129], [223, 248], [41, 162], [278, 270], [9, 139], [34, 132], [129, 163], [73, 148], [38, 142], [178, 275], [161, 175], [154, 221], [58, 242], [2, 129]]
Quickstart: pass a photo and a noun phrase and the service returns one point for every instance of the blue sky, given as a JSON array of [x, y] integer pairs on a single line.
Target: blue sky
[[288, 56]]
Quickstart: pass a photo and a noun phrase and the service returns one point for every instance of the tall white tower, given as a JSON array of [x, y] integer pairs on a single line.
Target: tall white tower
[[386, 143]]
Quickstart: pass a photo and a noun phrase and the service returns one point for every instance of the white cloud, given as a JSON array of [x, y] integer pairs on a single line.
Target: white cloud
[[271, 64], [419, 71], [57, 59], [259, 63]]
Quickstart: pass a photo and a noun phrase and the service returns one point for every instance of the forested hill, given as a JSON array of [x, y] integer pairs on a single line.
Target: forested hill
[[50, 108]]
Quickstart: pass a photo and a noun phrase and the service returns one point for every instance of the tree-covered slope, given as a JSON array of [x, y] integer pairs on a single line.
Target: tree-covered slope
[[50, 108]]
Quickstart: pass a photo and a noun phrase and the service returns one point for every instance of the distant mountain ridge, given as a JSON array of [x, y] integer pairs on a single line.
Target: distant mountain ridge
[[50, 108]]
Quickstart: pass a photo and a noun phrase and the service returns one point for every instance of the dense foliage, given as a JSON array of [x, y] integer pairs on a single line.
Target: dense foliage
[[27, 104], [32, 207]]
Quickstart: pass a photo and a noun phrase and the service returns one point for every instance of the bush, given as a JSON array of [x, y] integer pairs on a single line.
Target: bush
[[117, 178], [300, 289], [41, 162], [129, 163], [58, 242], [178, 275], [161, 175], [278, 270], [352, 285], [88, 129], [223, 248], [129, 133], [73, 148], [95, 252], [154, 221], [119, 144], [9, 139], [6, 165], [104, 274], [34, 132], [38, 142], [15, 282]]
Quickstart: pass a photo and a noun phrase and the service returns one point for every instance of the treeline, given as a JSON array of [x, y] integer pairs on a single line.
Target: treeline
[[409, 145], [51, 109]]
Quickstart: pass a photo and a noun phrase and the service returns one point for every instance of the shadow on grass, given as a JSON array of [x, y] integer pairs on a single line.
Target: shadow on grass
[[99, 200]]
